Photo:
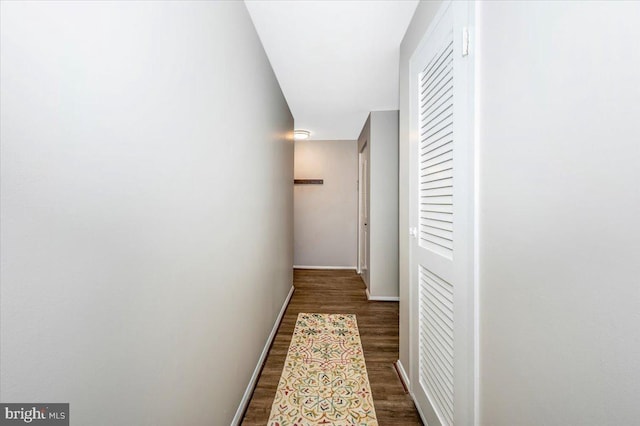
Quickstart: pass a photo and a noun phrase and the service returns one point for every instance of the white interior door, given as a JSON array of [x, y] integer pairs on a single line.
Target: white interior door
[[442, 302]]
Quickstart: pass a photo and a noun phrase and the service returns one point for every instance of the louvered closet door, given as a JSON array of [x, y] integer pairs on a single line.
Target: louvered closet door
[[441, 202]]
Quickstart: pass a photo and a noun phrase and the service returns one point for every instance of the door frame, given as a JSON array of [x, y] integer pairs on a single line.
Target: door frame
[[362, 188]]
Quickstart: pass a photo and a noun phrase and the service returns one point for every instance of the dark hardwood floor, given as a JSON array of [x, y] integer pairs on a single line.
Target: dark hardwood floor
[[341, 292]]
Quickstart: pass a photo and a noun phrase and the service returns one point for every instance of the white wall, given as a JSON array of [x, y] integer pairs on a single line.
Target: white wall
[[560, 202], [422, 17], [146, 208], [326, 216]]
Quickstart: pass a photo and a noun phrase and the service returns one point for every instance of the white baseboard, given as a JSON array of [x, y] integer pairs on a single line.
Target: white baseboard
[[405, 378], [420, 413], [256, 372], [407, 383], [403, 375], [382, 298], [324, 267]]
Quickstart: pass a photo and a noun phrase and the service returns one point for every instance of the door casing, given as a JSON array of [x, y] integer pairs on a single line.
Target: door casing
[[363, 209]]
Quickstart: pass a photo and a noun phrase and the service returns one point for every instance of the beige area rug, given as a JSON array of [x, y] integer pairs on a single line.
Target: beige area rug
[[324, 380]]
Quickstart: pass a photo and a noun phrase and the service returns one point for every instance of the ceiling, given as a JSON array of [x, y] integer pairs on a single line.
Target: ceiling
[[335, 60]]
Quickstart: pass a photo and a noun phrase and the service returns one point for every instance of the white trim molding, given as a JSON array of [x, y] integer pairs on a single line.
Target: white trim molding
[[403, 375], [405, 378], [244, 402], [324, 267], [382, 298]]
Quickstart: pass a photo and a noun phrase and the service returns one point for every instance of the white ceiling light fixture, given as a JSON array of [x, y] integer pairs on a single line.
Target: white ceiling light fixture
[[300, 134]]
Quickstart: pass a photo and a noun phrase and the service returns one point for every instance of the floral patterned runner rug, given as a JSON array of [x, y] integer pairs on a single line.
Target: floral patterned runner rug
[[324, 380]]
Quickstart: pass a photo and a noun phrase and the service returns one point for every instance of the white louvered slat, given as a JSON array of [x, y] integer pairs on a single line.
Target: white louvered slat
[[437, 224], [429, 215], [437, 127], [436, 153], [436, 192], [442, 183], [427, 176], [434, 208], [436, 341]]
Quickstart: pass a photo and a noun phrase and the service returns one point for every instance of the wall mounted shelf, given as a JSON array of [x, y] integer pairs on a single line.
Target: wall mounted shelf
[[308, 181]]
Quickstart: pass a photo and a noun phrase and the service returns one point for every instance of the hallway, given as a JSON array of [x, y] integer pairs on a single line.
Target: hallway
[[178, 176], [337, 291]]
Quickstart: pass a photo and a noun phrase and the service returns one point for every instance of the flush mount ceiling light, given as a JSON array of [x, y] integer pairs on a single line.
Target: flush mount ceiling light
[[300, 134]]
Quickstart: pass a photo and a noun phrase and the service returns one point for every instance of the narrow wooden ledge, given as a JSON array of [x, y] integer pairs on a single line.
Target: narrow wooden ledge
[[308, 181]]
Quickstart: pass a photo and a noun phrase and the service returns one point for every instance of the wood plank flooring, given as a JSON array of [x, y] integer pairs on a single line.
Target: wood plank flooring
[[319, 291]]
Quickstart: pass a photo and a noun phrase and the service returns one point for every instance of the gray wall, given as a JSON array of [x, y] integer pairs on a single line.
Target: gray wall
[[558, 130], [383, 216], [422, 17], [326, 216], [559, 202], [146, 208], [381, 133]]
